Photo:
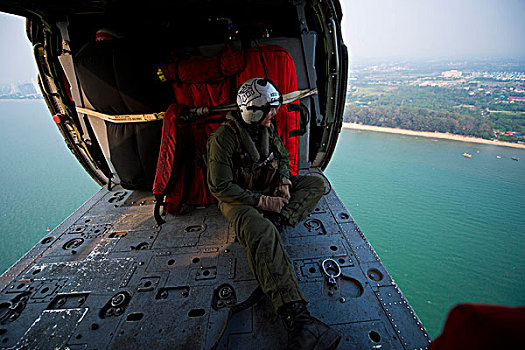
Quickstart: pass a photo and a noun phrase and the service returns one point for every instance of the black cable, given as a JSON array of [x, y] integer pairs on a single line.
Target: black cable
[[262, 60], [253, 299], [326, 180]]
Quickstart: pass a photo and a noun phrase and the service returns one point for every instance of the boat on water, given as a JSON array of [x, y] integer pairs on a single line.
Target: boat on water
[[466, 155], [499, 157], [516, 158]]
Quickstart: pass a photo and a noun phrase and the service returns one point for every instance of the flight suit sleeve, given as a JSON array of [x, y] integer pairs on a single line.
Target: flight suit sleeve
[[221, 146], [284, 159]]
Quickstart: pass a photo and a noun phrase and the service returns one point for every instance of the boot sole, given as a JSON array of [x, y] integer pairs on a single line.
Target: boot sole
[[329, 340]]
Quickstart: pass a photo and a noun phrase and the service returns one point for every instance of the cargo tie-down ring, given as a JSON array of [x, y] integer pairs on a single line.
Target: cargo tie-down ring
[[328, 266]]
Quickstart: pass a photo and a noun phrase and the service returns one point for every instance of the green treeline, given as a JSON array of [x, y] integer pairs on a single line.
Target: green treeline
[[456, 111], [420, 119]]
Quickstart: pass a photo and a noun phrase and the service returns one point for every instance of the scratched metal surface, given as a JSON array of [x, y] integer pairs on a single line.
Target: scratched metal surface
[[109, 278]]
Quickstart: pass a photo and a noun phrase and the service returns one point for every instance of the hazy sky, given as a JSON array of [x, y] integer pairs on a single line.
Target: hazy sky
[[427, 28], [16, 55], [371, 29]]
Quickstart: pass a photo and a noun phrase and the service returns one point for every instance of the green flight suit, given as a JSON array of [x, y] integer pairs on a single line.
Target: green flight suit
[[268, 260]]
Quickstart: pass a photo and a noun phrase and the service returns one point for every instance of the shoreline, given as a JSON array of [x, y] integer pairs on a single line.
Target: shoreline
[[436, 135]]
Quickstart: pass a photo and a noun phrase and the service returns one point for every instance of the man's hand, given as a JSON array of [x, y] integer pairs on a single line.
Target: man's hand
[[270, 203], [283, 190]]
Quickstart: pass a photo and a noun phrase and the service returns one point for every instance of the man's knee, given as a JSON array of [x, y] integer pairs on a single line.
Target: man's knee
[[313, 185], [249, 224], [258, 231], [317, 184]]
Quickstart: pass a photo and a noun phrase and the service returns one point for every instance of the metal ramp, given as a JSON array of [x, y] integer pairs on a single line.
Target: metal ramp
[[109, 278]]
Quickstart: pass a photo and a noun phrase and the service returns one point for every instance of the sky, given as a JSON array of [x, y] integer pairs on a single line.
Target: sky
[[434, 28], [16, 54], [371, 29]]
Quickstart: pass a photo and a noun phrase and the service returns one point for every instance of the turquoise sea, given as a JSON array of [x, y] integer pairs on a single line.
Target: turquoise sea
[[449, 229], [42, 183]]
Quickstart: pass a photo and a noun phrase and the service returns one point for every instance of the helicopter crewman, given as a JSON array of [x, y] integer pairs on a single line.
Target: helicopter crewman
[[248, 173]]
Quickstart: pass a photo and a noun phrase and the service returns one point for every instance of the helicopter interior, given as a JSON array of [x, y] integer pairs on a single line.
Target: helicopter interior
[[109, 274], [111, 61]]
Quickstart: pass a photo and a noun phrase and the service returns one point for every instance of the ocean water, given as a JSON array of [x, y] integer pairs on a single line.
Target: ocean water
[[42, 182], [449, 229]]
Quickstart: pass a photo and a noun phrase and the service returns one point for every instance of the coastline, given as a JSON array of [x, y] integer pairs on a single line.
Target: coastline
[[436, 135]]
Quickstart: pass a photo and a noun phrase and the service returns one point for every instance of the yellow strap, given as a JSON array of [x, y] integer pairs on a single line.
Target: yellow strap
[[297, 95], [132, 118], [123, 118]]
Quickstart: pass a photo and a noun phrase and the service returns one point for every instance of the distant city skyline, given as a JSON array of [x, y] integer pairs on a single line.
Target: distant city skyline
[[372, 29]]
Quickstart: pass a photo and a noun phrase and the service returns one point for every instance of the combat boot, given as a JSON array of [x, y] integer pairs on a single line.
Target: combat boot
[[306, 332]]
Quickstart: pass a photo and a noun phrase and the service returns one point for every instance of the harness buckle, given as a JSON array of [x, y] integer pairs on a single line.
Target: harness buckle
[[267, 161]]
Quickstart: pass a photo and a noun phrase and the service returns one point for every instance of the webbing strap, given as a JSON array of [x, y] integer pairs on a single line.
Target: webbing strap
[[196, 112], [123, 118]]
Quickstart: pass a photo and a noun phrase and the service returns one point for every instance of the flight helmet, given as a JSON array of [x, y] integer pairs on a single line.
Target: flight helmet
[[255, 98]]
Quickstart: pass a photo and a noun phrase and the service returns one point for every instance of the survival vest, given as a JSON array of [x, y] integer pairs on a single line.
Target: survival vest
[[181, 172], [263, 176]]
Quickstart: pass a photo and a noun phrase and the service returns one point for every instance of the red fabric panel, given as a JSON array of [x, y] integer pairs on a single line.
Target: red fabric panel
[[180, 167], [181, 172], [203, 94], [169, 155], [481, 327], [198, 192], [198, 69]]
